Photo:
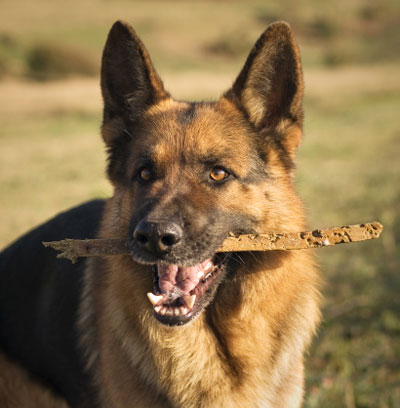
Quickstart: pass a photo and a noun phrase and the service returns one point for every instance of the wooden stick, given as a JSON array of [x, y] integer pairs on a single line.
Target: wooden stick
[[74, 248]]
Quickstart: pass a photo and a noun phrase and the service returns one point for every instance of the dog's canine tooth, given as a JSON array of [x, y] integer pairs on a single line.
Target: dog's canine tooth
[[155, 299], [157, 308], [189, 300]]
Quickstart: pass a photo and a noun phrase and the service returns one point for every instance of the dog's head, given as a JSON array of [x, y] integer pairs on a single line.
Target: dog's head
[[187, 174]]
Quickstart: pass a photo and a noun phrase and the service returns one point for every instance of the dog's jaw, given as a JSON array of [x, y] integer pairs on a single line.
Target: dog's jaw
[[176, 302]]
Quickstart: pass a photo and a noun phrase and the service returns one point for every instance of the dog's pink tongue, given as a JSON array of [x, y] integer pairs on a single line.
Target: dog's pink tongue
[[182, 279]]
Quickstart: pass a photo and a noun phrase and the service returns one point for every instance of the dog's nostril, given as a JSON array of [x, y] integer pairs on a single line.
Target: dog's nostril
[[168, 240], [142, 234], [141, 238], [169, 234]]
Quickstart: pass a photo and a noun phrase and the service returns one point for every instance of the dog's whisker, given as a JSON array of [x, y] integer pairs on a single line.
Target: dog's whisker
[[255, 256], [238, 259]]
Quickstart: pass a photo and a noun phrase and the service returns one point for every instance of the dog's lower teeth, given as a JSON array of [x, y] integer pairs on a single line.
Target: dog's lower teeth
[[171, 311]]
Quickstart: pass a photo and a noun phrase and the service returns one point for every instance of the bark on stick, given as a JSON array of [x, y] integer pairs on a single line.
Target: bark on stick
[[72, 249]]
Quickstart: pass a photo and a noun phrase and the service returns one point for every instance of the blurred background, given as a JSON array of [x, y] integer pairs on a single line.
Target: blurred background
[[52, 157]]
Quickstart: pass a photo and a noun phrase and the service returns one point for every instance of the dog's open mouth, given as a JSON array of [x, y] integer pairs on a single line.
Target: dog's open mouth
[[180, 293]]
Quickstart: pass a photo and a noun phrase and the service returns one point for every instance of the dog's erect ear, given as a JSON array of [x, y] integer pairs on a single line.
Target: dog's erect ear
[[270, 86], [129, 82]]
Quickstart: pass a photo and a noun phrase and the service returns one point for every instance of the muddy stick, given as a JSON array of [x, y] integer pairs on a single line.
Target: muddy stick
[[72, 249]]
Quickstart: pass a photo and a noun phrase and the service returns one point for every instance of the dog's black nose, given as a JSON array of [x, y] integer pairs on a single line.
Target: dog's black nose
[[157, 236]]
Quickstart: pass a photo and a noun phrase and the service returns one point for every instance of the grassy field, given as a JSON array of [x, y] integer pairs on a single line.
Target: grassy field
[[52, 157]]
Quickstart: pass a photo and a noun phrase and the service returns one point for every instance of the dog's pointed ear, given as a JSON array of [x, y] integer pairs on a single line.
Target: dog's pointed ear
[[269, 89], [129, 82]]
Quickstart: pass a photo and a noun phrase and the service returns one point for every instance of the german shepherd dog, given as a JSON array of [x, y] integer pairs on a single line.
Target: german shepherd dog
[[173, 324]]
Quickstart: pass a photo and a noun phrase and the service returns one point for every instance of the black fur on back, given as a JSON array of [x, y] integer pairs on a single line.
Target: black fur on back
[[39, 297]]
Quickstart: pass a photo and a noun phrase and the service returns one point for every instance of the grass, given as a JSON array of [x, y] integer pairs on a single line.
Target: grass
[[348, 172], [38, 180], [219, 38], [52, 157]]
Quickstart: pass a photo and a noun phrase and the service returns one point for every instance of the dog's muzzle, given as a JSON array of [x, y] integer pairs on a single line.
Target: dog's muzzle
[[180, 291]]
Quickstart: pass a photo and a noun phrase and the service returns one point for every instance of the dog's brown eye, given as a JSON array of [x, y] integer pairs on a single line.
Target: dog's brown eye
[[218, 174], [145, 174]]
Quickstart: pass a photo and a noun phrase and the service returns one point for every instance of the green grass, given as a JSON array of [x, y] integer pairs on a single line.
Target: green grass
[[52, 157], [200, 34], [349, 172], [48, 163]]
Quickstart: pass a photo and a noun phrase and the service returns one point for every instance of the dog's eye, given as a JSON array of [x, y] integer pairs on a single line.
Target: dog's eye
[[145, 174], [218, 174]]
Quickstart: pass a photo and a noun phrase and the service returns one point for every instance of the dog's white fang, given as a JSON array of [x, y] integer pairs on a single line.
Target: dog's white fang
[[189, 300], [155, 299]]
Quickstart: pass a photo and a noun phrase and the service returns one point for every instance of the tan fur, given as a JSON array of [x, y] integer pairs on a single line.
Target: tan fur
[[19, 390]]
